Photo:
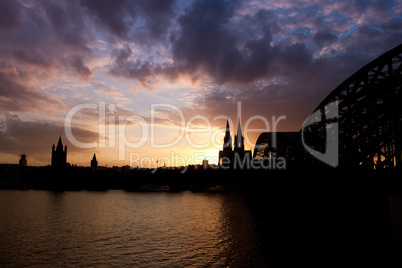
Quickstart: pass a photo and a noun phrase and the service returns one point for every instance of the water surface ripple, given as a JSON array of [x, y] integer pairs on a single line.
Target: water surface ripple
[[117, 228]]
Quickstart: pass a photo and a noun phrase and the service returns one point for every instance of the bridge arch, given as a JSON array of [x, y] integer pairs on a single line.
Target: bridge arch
[[369, 116]]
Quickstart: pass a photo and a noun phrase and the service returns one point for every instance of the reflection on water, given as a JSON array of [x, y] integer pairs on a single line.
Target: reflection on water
[[126, 229]]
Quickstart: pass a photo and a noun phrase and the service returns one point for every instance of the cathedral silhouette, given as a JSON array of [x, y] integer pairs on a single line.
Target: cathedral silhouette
[[237, 157]]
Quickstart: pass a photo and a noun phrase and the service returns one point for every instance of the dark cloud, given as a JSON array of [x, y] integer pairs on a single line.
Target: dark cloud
[[10, 15], [68, 23], [79, 68], [141, 70], [225, 40], [16, 93], [324, 38], [34, 56], [205, 44], [140, 21], [114, 16], [45, 35], [145, 71], [57, 35], [159, 16], [213, 41]]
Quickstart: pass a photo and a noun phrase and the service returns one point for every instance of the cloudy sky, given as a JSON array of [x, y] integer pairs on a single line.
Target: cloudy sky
[[163, 76]]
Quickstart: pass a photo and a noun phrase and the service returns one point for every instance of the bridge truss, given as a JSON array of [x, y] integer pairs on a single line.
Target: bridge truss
[[369, 117]]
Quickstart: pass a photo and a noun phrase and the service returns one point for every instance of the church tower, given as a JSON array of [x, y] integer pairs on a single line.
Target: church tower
[[59, 156], [227, 140], [94, 164], [23, 160]]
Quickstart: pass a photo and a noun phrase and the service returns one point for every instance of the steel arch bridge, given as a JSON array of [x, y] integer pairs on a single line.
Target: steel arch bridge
[[369, 118]]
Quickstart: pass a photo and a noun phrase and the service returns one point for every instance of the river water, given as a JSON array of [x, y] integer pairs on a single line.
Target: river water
[[120, 229], [189, 229]]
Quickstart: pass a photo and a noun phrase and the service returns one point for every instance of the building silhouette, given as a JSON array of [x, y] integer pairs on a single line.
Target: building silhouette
[[23, 160], [94, 163], [237, 157], [205, 163], [59, 156]]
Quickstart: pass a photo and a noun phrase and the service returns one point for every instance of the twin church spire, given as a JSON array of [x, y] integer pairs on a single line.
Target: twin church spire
[[239, 139], [229, 156]]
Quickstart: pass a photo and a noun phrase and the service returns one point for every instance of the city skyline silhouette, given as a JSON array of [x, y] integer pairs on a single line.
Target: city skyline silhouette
[[276, 60], [202, 133]]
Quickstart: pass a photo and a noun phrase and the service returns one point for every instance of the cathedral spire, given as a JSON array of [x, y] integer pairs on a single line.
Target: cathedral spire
[[59, 145], [239, 145], [227, 140]]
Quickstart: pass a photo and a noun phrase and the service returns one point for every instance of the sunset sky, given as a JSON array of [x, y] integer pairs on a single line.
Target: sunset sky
[[196, 62]]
